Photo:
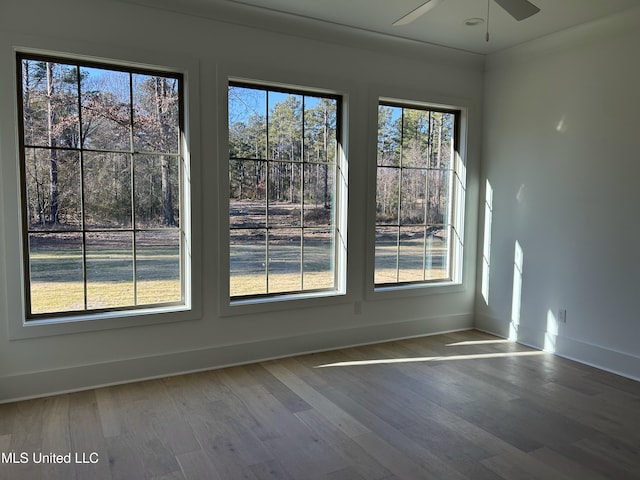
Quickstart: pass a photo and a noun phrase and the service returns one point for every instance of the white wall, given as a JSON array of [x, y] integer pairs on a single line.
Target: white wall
[[52, 363], [561, 151]]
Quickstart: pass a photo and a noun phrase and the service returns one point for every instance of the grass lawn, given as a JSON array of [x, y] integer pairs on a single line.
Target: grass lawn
[[241, 285], [49, 297], [57, 283], [287, 262], [410, 263]]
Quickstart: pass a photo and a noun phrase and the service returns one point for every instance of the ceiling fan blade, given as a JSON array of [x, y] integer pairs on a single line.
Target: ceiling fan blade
[[417, 12], [518, 9]]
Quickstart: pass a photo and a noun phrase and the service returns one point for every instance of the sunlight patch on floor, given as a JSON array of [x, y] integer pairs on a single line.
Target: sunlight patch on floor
[[478, 342], [476, 356]]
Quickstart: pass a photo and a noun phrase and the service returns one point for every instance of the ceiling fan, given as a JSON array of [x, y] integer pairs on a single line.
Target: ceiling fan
[[518, 9]]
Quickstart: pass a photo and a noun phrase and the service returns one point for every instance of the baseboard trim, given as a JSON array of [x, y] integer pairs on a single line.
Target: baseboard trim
[[613, 361], [84, 377]]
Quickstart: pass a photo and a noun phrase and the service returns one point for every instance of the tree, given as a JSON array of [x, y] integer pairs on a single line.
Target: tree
[[157, 130], [50, 119], [388, 158], [53, 144], [320, 145], [389, 135], [285, 148]]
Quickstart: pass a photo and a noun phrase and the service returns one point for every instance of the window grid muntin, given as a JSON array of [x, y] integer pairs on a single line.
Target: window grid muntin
[[268, 228], [81, 150], [452, 196]]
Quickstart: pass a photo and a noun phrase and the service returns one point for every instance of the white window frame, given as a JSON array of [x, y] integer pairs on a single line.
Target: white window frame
[[12, 226], [459, 278], [249, 75]]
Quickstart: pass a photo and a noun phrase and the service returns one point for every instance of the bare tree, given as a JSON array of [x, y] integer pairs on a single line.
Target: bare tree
[[53, 144], [163, 94]]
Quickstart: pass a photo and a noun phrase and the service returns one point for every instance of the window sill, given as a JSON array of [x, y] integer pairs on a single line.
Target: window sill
[[89, 322], [415, 290], [283, 302]]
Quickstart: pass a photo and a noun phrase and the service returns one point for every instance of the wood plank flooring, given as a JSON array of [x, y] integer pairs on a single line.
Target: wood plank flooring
[[463, 405]]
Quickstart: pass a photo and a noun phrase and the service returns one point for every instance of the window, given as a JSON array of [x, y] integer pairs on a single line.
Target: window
[[284, 201], [101, 162], [418, 196]]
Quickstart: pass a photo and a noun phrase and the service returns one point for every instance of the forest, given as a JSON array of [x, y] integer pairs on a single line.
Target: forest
[[414, 161], [286, 155], [104, 116]]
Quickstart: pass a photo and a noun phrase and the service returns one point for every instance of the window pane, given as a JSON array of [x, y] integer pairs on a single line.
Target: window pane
[[318, 254], [285, 126], [106, 109], [284, 266], [247, 180], [439, 197], [56, 272], [107, 190], [437, 248], [285, 199], [415, 138], [247, 201], [411, 254], [157, 189], [53, 189], [387, 195], [158, 267], [386, 268], [389, 135], [319, 129], [156, 114], [442, 135], [247, 123], [50, 104], [247, 262], [109, 269], [319, 180], [413, 194]]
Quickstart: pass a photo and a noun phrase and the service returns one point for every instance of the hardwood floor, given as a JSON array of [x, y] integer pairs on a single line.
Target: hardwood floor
[[457, 406]]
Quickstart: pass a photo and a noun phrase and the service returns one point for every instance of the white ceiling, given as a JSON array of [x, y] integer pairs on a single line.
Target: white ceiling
[[339, 20], [444, 25]]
